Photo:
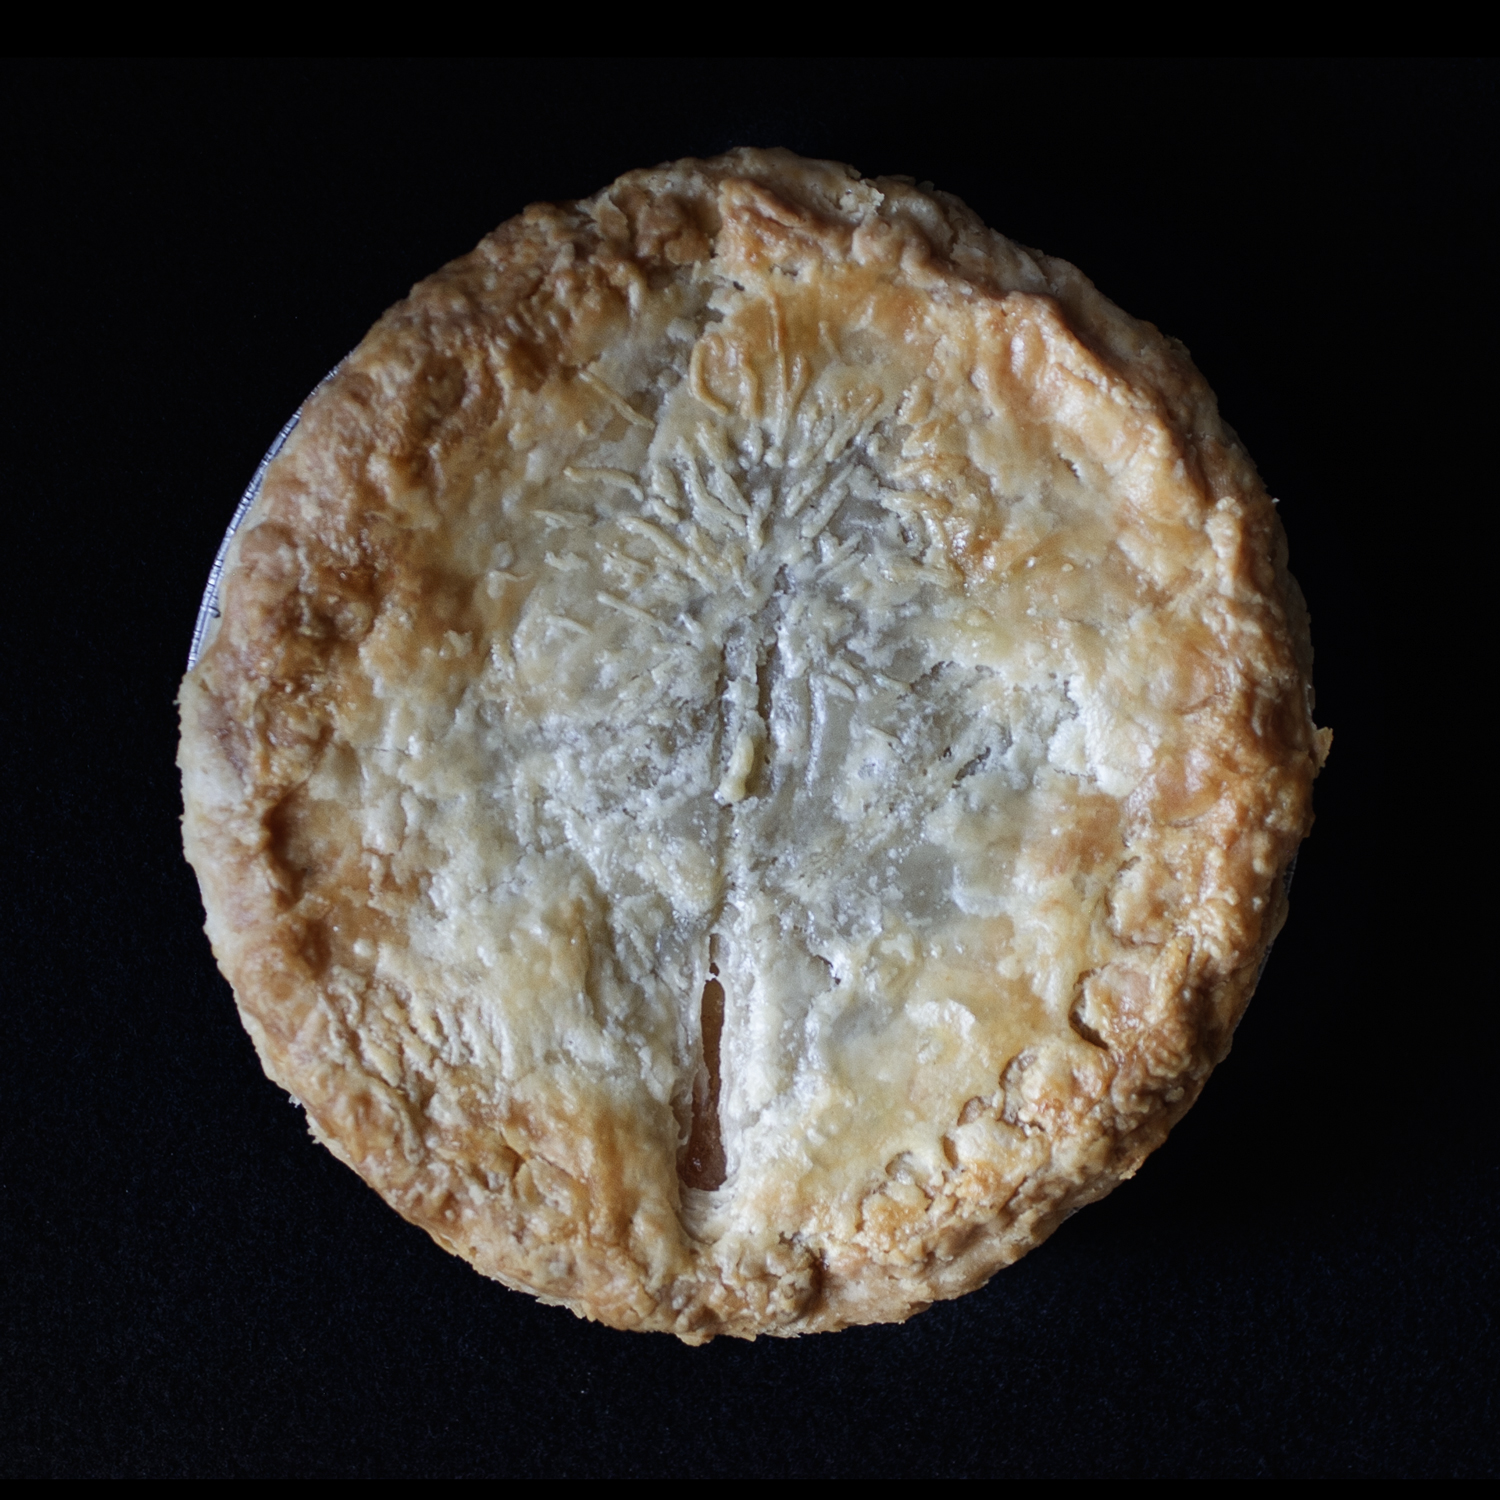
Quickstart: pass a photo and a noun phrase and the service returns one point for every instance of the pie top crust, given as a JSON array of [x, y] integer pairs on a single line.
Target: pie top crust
[[751, 749]]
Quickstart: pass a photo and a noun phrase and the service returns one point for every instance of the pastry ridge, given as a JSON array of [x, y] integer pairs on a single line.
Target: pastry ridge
[[761, 576]]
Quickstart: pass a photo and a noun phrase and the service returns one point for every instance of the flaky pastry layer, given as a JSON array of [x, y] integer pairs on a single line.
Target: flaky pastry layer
[[751, 748]]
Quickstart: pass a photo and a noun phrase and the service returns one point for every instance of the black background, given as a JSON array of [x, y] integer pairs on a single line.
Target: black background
[[1301, 1281]]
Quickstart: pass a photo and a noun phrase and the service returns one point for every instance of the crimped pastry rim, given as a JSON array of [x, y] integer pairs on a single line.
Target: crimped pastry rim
[[907, 1293]]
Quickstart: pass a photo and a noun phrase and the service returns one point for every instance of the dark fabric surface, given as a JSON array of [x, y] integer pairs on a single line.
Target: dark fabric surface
[[1301, 1282]]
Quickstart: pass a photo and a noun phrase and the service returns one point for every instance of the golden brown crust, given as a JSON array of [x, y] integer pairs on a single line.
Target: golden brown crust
[[760, 567]]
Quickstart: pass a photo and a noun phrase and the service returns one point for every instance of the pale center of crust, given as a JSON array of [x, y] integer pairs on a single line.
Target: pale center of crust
[[732, 699]]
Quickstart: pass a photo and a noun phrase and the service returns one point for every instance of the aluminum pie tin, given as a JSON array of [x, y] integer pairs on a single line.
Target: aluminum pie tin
[[208, 607]]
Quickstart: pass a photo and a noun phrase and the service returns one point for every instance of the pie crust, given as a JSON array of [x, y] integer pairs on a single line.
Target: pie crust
[[749, 759]]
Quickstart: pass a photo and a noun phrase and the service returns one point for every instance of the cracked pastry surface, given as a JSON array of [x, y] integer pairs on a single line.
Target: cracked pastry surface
[[751, 748]]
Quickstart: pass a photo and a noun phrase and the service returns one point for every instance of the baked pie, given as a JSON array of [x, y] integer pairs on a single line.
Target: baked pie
[[751, 750]]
